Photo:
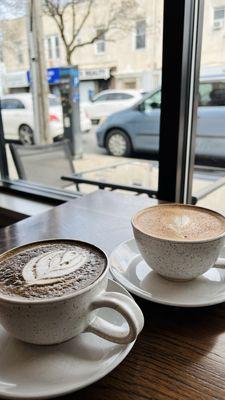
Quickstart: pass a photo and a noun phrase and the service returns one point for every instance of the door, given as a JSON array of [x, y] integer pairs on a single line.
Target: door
[[147, 124], [210, 137]]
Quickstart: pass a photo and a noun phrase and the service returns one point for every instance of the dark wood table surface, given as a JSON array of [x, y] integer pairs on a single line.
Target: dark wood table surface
[[180, 353]]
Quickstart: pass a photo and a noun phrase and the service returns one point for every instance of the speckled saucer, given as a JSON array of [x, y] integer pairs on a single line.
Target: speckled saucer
[[36, 372], [128, 268]]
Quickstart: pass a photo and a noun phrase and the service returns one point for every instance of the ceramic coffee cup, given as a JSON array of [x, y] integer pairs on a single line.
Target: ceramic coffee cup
[[55, 320], [179, 259]]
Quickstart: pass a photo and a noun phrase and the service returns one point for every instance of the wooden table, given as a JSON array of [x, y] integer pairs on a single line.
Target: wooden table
[[180, 353]]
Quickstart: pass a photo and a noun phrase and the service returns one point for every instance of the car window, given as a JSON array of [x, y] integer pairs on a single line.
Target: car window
[[152, 102], [54, 101], [11, 104], [103, 97], [212, 94], [119, 96]]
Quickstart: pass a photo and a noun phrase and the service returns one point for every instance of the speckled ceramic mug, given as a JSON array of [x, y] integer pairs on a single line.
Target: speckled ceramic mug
[[179, 260], [55, 320]]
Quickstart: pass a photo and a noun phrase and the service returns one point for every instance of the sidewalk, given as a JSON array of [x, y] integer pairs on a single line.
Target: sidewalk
[[137, 172]]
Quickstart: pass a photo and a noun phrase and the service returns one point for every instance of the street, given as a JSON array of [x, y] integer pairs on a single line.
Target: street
[[90, 143]]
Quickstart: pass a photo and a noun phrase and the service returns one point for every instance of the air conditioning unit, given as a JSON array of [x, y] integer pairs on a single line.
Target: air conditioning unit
[[218, 24]]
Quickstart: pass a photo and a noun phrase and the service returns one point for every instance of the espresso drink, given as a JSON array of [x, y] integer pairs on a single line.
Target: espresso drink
[[50, 269], [180, 222]]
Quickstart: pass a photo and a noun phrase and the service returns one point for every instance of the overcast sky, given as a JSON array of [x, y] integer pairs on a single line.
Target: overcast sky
[[12, 8]]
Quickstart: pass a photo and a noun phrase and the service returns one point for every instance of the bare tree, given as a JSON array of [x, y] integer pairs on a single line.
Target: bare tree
[[118, 18]]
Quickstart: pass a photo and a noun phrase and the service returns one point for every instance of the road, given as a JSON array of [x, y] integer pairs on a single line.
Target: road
[[90, 144]]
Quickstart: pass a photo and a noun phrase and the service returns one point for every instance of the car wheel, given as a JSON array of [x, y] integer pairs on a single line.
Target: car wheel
[[26, 134], [118, 143]]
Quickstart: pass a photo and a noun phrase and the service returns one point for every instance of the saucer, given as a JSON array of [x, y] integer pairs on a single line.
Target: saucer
[[36, 372], [128, 268]]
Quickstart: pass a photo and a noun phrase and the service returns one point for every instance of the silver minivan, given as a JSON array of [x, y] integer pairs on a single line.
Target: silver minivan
[[137, 127]]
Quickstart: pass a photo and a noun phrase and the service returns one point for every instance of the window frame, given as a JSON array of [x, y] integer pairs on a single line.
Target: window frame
[[182, 30]]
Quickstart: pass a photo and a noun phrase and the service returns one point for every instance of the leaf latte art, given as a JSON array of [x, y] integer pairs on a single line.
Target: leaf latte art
[[52, 266]]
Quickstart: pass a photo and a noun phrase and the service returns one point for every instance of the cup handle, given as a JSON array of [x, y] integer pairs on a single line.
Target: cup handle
[[220, 263], [127, 308]]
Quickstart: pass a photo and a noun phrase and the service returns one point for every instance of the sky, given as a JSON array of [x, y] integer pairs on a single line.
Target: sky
[[10, 9]]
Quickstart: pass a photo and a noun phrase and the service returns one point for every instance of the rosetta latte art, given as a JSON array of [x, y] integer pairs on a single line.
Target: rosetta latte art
[[52, 266]]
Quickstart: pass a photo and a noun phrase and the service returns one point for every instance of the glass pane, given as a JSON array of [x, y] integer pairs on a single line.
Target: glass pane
[[209, 177], [119, 137]]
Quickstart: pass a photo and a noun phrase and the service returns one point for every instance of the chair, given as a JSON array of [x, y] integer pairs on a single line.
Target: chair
[[44, 164]]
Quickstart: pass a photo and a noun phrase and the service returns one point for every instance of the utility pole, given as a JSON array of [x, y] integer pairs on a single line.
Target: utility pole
[[38, 73]]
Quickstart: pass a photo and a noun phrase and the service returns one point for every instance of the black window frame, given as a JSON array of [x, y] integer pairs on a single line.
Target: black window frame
[[182, 38]]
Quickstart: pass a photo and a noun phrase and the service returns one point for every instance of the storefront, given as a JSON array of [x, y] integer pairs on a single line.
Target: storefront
[[92, 81]]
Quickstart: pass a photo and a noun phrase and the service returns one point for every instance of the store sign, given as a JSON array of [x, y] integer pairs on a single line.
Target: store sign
[[92, 74], [55, 75]]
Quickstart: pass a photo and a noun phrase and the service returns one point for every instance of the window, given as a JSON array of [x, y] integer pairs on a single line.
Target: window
[[212, 94], [100, 98], [1, 47], [20, 52], [140, 34], [118, 96], [100, 42], [219, 14], [53, 47], [153, 101], [54, 101], [11, 104]]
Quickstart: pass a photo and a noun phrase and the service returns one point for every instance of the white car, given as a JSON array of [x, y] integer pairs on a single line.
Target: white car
[[18, 121], [109, 101]]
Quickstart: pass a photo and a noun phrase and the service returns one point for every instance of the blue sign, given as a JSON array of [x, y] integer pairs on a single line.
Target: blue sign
[[55, 74]]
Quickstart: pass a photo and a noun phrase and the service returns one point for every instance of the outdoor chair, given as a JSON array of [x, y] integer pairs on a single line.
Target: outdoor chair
[[44, 164]]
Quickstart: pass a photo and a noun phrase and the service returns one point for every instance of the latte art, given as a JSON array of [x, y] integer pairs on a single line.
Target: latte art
[[50, 267], [180, 222]]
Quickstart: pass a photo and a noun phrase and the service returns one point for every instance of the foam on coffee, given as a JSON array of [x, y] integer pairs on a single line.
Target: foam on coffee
[[180, 222], [50, 269]]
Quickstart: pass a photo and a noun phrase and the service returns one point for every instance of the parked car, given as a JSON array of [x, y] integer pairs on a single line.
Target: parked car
[[137, 127], [110, 101], [18, 121]]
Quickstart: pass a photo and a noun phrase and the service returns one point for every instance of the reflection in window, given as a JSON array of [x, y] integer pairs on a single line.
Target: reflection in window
[[140, 34]]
